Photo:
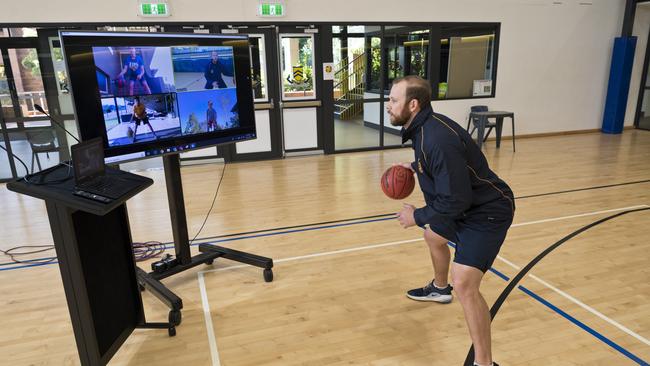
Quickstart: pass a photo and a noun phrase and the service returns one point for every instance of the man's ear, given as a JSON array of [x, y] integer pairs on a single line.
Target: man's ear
[[413, 105]]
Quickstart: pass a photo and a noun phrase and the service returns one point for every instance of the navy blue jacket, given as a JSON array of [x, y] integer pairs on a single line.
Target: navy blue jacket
[[453, 173]]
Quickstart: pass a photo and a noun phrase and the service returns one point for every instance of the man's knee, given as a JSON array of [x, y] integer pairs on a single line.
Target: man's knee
[[434, 239], [466, 280]]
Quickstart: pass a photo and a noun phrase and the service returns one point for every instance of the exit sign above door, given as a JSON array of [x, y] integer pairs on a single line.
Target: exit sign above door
[[271, 9], [153, 9]]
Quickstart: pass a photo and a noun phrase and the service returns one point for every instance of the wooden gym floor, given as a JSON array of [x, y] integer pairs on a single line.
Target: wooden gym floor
[[338, 296]]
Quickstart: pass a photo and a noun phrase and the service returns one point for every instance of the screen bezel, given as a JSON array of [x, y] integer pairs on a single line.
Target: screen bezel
[[77, 52]]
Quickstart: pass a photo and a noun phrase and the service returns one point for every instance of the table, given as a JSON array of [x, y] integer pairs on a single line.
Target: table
[[482, 121]]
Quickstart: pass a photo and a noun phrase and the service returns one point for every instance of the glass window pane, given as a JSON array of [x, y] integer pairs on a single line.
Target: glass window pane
[[297, 62], [60, 73], [22, 32], [466, 64], [5, 93], [357, 113], [5, 168], [407, 52], [258, 67], [38, 143], [27, 80], [4, 32]]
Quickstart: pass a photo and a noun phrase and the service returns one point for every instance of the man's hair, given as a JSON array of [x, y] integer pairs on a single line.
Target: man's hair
[[416, 88]]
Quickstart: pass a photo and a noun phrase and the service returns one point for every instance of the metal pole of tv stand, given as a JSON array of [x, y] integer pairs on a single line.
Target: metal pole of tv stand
[[208, 252]]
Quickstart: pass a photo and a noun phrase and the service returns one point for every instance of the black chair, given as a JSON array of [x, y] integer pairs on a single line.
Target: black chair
[[41, 142], [475, 121]]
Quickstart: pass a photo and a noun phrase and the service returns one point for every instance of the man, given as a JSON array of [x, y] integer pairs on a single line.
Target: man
[[133, 67], [466, 203], [213, 73], [211, 117], [139, 116]]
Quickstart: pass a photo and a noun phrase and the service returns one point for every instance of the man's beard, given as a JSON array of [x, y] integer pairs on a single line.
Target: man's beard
[[402, 118]]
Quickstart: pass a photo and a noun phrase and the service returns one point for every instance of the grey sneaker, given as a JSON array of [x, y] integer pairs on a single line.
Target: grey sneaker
[[431, 293]]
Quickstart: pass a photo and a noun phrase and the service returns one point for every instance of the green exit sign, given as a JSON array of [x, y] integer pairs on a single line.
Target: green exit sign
[[271, 10], [154, 9]]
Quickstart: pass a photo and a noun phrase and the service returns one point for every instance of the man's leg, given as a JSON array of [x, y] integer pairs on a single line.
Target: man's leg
[[439, 256], [467, 281], [439, 289], [146, 86], [151, 128], [131, 83]]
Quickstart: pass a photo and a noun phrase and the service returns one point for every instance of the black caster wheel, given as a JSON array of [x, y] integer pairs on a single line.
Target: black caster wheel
[[175, 317], [171, 331], [209, 262], [141, 287], [268, 275]]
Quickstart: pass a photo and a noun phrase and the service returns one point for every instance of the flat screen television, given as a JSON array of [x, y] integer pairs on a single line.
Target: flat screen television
[[150, 94]]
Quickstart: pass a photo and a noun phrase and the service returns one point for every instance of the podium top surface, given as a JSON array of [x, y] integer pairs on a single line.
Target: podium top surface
[[56, 184]]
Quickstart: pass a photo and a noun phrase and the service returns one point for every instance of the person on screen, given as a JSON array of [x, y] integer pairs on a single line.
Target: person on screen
[[139, 116], [211, 117], [192, 126], [132, 71], [213, 72]]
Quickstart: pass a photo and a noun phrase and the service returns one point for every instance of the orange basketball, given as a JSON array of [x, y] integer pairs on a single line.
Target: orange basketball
[[397, 182]]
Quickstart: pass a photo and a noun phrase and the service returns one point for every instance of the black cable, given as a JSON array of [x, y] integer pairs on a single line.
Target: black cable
[[12, 256], [147, 250], [223, 172]]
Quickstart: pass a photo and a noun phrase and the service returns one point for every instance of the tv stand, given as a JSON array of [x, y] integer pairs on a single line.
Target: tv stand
[[184, 260]]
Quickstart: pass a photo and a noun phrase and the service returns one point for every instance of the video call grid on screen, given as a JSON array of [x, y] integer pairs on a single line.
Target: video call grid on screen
[[182, 90], [150, 94]]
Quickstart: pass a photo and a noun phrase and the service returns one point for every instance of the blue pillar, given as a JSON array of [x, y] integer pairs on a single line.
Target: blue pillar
[[619, 84]]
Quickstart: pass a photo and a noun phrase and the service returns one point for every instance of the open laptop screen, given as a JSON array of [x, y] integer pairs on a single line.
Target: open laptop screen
[[88, 159]]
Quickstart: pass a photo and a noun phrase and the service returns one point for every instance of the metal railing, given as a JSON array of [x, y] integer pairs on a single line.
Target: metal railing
[[349, 87]]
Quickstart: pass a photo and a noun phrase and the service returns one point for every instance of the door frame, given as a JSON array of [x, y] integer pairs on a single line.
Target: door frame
[[319, 90], [271, 104]]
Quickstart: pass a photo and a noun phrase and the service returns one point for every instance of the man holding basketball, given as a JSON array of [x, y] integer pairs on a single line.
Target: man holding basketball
[[466, 203]]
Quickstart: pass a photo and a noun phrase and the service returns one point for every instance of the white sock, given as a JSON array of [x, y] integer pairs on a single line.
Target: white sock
[[439, 288], [478, 364]]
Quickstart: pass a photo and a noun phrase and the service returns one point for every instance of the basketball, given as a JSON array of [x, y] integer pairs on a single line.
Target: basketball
[[397, 182]]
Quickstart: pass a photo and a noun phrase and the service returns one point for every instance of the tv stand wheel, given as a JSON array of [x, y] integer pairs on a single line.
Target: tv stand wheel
[[141, 287], [175, 317], [209, 262], [171, 331], [268, 275]]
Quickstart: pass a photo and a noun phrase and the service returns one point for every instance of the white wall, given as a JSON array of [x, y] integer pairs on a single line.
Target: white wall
[[553, 58]]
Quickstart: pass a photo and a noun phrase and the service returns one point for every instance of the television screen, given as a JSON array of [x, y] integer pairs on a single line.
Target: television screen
[[148, 94]]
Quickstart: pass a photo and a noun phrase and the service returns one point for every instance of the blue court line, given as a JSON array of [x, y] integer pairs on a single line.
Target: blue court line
[[584, 327], [233, 239], [569, 317], [451, 244]]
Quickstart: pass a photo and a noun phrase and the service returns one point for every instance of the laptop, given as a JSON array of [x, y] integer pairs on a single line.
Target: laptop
[[90, 172]]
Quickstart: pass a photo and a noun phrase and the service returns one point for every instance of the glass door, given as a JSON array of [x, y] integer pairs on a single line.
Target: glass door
[[301, 81], [26, 132]]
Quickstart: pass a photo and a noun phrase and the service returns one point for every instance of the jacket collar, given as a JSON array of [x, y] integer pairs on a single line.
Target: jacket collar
[[420, 118]]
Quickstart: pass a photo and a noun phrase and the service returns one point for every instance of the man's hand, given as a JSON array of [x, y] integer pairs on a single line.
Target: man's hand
[[406, 217], [405, 165]]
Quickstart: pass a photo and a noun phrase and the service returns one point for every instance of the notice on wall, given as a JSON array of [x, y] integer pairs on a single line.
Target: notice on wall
[[328, 71]]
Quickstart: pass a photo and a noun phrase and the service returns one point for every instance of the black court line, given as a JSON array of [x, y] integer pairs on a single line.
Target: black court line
[[515, 280], [583, 189], [363, 218]]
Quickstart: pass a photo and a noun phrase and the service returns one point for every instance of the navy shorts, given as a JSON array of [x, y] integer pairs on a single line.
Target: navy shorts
[[480, 233]]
